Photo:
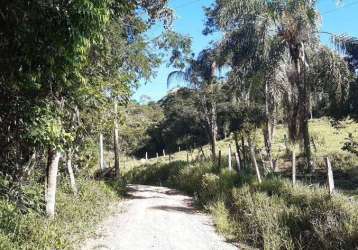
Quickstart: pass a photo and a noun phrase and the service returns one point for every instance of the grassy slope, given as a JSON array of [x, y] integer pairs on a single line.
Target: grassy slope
[[75, 218], [328, 140], [272, 215]]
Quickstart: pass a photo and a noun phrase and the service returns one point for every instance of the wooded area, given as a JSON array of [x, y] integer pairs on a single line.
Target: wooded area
[[68, 70]]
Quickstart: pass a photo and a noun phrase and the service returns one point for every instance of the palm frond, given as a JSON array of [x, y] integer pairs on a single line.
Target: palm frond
[[344, 42], [174, 76]]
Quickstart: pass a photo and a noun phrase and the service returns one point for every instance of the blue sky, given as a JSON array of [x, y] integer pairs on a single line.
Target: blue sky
[[341, 19]]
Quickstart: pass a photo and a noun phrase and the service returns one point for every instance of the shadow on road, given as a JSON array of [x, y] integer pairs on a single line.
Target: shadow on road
[[187, 210]]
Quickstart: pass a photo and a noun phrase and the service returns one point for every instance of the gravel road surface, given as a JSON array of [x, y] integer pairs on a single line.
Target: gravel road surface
[[157, 218]]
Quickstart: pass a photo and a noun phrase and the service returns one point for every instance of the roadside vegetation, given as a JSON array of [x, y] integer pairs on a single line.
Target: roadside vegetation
[[267, 94], [25, 226], [273, 214], [67, 72]]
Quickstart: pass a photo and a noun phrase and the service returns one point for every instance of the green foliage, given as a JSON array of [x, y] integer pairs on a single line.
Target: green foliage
[[271, 215], [189, 179], [135, 133], [222, 219], [27, 229], [180, 47], [47, 130], [351, 145], [155, 174]]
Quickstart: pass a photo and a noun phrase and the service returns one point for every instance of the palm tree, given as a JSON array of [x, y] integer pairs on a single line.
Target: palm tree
[[292, 24], [253, 55], [200, 73]]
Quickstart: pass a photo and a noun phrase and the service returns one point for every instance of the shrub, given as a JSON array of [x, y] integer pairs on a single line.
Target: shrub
[[313, 219], [223, 220], [155, 174], [20, 229], [261, 219], [270, 215], [189, 179]]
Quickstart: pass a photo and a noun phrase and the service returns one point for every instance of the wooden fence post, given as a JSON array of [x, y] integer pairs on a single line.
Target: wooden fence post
[[101, 157], [275, 165], [219, 159], [330, 176], [229, 158], [293, 167], [146, 156], [253, 158], [116, 142], [243, 151], [237, 156]]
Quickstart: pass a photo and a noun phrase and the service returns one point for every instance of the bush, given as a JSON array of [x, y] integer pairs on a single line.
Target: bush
[[189, 179], [20, 229], [223, 220], [156, 174], [261, 220], [275, 215], [270, 215]]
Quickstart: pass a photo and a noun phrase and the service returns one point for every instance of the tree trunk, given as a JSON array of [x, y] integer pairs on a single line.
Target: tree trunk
[[304, 118], [70, 172], [307, 146], [52, 169], [214, 131], [268, 143], [101, 153], [303, 104], [219, 160], [236, 139], [268, 129], [116, 142]]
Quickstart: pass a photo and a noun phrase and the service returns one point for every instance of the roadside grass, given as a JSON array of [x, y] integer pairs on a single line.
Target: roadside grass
[[24, 226], [270, 215]]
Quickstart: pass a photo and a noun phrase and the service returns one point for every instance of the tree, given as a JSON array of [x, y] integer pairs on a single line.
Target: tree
[[61, 61], [201, 74], [253, 54]]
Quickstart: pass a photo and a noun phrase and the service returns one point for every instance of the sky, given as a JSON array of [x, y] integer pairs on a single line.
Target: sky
[[190, 18]]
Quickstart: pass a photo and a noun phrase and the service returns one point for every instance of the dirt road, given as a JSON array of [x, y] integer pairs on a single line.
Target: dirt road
[[157, 218]]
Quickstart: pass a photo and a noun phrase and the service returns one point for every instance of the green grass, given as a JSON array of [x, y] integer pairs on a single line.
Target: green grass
[[328, 141], [28, 228]]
